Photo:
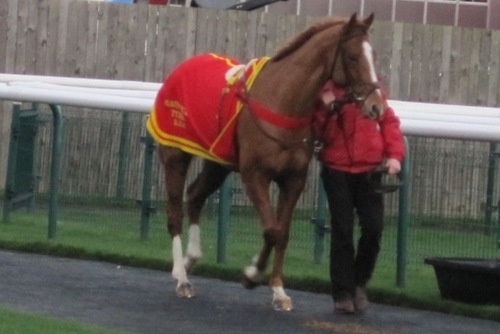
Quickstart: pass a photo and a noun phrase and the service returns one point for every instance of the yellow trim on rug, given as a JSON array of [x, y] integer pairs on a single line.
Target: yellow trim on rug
[[257, 65], [194, 148], [178, 142]]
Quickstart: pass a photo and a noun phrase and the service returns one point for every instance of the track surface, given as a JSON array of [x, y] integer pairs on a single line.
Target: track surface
[[143, 301]]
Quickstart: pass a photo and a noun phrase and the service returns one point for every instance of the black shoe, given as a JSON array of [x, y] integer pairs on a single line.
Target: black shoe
[[344, 306], [360, 299]]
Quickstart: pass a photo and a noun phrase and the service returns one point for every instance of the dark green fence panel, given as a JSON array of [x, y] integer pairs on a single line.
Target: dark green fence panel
[[21, 166]]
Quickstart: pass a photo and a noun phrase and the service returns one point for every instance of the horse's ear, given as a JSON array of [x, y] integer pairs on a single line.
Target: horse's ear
[[369, 20], [352, 19]]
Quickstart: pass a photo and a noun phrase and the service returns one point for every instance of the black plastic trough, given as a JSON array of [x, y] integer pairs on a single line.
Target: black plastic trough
[[469, 280]]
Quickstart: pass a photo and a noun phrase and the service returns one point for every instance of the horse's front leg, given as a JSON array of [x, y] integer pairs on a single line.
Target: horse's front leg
[[281, 301], [290, 189], [275, 236]]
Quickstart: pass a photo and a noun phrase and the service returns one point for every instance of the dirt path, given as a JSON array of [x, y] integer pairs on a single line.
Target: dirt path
[[143, 301]]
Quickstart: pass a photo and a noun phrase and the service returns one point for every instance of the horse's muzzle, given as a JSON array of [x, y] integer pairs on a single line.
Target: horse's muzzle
[[375, 104], [373, 109], [372, 102], [374, 112]]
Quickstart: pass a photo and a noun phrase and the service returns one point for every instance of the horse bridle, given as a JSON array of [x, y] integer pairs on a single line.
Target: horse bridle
[[350, 96], [336, 105]]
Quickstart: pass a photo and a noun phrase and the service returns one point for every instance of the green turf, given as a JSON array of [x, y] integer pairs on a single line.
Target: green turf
[[13, 322]]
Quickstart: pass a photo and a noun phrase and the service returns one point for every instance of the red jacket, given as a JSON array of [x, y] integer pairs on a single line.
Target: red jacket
[[357, 144]]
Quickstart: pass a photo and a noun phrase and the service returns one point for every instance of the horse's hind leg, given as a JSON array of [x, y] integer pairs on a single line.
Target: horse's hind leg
[[176, 163], [209, 180]]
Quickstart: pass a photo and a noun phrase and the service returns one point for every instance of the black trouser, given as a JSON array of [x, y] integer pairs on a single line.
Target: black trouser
[[349, 194]]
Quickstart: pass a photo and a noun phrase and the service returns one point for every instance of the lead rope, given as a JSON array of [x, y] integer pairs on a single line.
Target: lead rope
[[334, 109]]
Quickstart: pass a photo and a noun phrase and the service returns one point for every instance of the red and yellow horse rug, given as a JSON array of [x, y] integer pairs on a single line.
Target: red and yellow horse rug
[[198, 104]]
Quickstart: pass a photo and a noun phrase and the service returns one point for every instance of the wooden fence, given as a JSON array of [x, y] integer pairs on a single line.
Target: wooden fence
[[143, 42]]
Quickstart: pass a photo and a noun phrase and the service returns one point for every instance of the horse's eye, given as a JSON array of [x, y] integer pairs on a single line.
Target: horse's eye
[[352, 58]]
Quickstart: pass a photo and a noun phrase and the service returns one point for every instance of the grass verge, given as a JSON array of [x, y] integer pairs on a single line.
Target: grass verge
[[14, 322]]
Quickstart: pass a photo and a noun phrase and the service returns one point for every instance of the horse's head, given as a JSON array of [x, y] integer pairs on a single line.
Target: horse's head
[[354, 67]]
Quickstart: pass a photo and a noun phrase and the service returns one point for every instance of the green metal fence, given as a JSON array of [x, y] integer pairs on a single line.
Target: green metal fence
[[108, 179]]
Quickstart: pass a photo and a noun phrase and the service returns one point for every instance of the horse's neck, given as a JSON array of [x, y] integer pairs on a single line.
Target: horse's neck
[[286, 88], [292, 85]]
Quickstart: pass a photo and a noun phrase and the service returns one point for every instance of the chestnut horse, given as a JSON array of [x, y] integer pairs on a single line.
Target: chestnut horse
[[288, 85]]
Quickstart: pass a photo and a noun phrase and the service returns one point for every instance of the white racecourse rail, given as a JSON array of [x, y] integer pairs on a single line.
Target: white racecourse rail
[[417, 119]]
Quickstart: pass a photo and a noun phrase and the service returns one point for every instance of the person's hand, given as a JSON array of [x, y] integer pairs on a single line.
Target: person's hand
[[393, 166]]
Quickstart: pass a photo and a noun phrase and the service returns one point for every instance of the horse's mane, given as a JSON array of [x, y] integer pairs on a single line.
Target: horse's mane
[[304, 36]]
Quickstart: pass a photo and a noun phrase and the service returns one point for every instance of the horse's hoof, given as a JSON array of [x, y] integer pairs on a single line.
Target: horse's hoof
[[185, 290], [248, 283], [283, 304]]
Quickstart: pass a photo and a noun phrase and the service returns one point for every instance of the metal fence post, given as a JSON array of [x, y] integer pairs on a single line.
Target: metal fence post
[[403, 219], [319, 222], [21, 163], [498, 230], [145, 202], [490, 185], [122, 155], [11, 164], [55, 169], [225, 199]]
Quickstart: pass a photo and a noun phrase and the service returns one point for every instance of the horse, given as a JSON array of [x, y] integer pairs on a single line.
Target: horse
[[272, 136]]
